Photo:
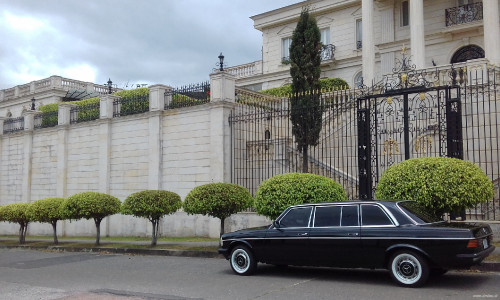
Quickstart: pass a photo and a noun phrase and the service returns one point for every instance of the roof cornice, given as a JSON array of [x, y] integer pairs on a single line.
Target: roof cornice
[[292, 12]]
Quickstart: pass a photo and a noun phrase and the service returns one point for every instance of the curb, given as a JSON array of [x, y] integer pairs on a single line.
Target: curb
[[104, 250], [487, 267]]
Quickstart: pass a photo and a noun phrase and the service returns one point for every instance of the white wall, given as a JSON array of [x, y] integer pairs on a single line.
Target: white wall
[[114, 156]]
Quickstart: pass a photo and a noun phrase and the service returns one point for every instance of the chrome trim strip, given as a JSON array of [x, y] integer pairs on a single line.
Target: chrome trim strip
[[349, 237]]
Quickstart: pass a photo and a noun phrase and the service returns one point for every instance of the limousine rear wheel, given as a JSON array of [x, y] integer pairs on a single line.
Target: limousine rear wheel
[[408, 268], [242, 260]]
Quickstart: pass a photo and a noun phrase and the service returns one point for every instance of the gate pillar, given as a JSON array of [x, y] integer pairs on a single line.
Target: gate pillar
[[364, 154]]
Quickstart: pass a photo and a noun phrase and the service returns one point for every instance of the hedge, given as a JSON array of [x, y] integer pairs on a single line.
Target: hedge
[[281, 191], [439, 183]]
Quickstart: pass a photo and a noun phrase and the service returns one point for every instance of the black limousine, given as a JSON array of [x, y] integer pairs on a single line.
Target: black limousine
[[399, 236]]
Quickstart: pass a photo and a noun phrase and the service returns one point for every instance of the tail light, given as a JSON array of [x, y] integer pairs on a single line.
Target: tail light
[[473, 244]]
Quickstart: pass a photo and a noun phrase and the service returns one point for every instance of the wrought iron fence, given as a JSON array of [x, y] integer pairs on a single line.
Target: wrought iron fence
[[263, 144], [46, 119], [189, 95], [130, 106], [84, 113], [13, 125], [327, 52], [464, 14]]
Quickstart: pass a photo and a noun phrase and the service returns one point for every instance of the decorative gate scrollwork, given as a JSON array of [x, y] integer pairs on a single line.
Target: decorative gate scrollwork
[[406, 116]]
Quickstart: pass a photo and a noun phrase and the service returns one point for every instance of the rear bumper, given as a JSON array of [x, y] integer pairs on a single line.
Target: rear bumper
[[469, 260]]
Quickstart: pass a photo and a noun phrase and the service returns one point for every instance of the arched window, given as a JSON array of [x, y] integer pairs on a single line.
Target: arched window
[[358, 80], [467, 53]]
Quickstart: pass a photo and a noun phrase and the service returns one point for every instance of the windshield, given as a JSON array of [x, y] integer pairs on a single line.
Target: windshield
[[418, 213]]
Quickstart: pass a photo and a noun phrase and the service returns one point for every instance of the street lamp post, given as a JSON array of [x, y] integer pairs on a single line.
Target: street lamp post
[[221, 62], [110, 86]]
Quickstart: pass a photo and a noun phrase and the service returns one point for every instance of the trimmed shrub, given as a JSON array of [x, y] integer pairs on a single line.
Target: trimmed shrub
[[46, 211], [134, 101], [179, 100], [152, 205], [16, 213], [325, 83], [90, 205], [277, 193], [49, 116], [219, 200], [441, 184]]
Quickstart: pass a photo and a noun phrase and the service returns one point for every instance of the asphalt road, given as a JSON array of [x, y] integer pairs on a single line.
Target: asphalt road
[[28, 274]]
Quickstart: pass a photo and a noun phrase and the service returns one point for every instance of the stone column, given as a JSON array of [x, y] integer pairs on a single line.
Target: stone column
[[106, 106], [157, 97], [417, 33], [64, 113], [222, 99], [27, 157], [63, 120], [491, 31], [368, 49], [2, 119], [222, 87]]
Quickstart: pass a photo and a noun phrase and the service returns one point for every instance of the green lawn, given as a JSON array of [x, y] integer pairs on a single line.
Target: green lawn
[[112, 239]]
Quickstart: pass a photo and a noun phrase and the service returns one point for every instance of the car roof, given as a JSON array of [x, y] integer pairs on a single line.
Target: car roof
[[385, 203]]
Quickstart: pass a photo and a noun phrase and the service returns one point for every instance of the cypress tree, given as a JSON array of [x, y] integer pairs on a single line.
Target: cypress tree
[[306, 109]]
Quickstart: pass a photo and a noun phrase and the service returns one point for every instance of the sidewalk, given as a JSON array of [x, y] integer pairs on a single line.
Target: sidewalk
[[486, 266], [118, 250]]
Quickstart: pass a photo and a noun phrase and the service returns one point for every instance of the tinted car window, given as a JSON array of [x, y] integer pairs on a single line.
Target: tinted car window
[[327, 216], [418, 213], [373, 215], [349, 216], [296, 217]]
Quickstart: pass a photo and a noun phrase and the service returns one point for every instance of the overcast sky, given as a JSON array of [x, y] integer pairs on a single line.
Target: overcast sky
[[130, 41]]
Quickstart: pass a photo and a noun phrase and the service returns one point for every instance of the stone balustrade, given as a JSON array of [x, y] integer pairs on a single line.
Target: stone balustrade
[[53, 82], [246, 70]]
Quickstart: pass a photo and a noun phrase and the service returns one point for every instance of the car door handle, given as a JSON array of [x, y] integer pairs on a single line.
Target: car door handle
[[303, 234], [353, 234]]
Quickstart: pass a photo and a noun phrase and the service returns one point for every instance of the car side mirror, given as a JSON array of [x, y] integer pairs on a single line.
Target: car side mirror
[[276, 224]]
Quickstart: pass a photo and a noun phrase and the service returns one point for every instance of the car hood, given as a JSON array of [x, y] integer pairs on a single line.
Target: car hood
[[248, 232]]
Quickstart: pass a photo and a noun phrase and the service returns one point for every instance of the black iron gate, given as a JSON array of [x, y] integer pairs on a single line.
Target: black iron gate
[[410, 119]]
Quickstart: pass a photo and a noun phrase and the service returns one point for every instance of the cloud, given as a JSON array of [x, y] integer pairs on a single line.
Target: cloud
[[156, 41]]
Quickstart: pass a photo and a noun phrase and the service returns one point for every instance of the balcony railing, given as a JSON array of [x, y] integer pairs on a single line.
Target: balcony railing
[[13, 125], [464, 14], [327, 53]]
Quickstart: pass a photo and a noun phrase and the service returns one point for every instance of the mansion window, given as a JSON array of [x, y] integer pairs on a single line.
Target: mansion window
[[405, 13], [359, 34], [285, 49], [325, 36]]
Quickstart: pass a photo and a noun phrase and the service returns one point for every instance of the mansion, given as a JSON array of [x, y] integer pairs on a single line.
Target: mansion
[[362, 39]]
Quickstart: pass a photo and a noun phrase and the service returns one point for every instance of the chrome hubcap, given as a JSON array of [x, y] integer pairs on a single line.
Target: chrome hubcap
[[240, 260], [406, 268]]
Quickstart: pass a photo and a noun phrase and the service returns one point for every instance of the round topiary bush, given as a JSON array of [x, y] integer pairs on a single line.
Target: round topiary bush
[[441, 184], [47, 211], [152, 205], [219, 200], [16, 213], [90, 205], [278, 192]]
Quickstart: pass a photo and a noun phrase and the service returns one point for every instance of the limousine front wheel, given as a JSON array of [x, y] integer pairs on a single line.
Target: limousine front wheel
[[408, 268], [242, 260]]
